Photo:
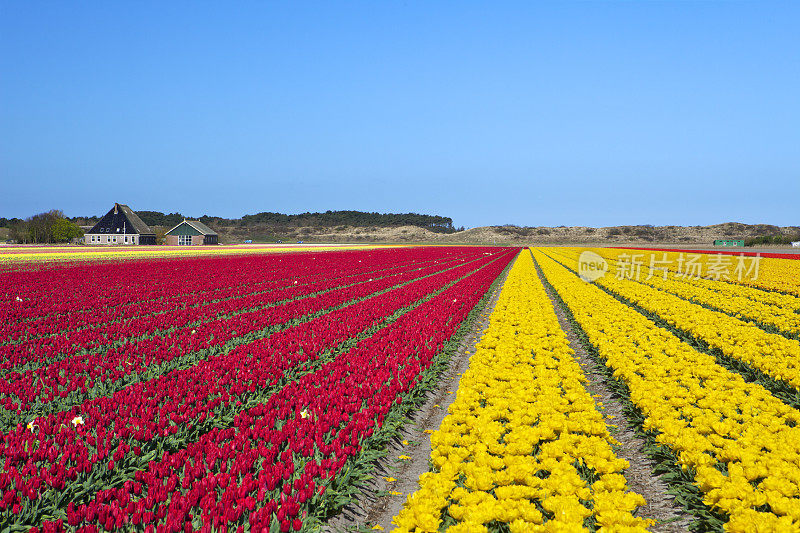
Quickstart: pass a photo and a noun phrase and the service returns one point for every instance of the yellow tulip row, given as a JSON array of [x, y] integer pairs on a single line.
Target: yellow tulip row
[[773, 308], [772, 354], [741, 443], [524, 443], [772, 273], [784, 319], [766, 301]]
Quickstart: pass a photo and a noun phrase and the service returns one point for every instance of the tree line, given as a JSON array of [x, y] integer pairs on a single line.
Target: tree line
[[49, 227], [350, 218], [328, 219]]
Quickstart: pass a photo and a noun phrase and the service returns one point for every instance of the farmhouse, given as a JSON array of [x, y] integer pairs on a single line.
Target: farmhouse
[[191, 232], [120, 226]]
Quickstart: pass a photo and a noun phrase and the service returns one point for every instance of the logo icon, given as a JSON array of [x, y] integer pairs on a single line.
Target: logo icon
[[591, 266]]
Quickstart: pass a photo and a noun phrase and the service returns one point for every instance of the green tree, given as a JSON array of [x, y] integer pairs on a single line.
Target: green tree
[[64, 231], [40, 227], [18, 231]]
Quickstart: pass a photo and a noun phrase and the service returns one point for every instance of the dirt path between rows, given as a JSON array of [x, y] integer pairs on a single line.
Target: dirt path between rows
[[382, 499], [669, 515]]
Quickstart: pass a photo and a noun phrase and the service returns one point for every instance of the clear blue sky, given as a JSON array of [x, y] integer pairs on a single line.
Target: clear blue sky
[[529, 113]]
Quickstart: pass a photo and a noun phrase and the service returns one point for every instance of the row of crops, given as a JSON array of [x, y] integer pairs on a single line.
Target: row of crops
[[217, 394], [256, 392], [707, 370]]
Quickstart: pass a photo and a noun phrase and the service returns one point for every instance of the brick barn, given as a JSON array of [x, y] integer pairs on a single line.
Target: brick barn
[[191, 233], [120, 226]]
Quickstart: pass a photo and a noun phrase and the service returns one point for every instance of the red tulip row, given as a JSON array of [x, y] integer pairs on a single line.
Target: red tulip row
[[84, 314], [276, 460], [76, 293], [71, 380], [142, 414], [51, 349], [51, 291], [252, 281], [284, 340]]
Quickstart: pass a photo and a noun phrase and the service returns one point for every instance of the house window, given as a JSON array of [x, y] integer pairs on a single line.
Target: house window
[[126, 239], [184, 240]]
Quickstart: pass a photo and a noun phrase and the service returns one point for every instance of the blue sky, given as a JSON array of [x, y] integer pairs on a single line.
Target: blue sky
[[531, 113]]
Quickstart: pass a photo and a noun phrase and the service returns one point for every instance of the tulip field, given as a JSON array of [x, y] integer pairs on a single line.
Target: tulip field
[[256, 391], [214, 393], [705, 366], [523, 443], [35, 255]]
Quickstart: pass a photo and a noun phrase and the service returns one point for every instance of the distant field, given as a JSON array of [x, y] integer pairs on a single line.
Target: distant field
[[12, 254], [773, 251]]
